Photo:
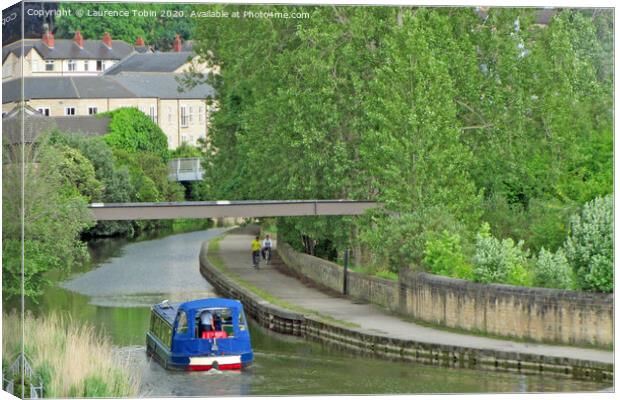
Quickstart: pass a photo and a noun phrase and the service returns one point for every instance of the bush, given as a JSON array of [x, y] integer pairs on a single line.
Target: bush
[[444, 256], [589, 247], [552, 270], [133, 131], [399, 242], [186, 150], [498, 261]]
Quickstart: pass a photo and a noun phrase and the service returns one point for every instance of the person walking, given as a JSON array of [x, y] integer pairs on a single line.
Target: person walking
[[255, 252], [266, 249]]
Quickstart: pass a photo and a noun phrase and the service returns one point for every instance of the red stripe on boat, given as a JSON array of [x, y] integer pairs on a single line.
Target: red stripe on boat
[[208, 367]]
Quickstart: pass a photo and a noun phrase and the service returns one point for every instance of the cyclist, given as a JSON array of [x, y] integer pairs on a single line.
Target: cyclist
[[266, 250], [255, 252]]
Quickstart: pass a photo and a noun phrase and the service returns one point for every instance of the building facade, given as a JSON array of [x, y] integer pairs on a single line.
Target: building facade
[[60, 57], [182, 116]]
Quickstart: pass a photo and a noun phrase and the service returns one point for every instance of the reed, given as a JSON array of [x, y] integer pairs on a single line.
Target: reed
[[73, 359]]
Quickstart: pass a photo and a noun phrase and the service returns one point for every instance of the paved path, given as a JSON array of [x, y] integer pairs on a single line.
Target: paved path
[[235, 253]]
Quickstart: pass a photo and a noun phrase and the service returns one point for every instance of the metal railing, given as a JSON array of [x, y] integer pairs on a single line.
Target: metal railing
[[36, 391], [185, 169]]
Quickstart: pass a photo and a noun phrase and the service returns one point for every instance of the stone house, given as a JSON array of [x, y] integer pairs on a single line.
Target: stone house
[[182, 115]]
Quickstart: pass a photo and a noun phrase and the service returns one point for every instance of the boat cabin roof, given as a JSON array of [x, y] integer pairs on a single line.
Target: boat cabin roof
[[169, 310]]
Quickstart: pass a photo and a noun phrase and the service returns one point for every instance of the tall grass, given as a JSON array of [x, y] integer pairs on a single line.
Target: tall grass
[[72, 358]]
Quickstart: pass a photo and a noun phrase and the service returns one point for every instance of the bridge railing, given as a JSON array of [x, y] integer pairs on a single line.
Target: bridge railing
[[185, 169]]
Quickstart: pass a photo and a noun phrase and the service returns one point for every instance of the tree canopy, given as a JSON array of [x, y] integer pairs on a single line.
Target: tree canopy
[[447, 118]]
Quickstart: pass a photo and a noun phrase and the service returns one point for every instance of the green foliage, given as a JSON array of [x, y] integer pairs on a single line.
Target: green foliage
[[387, 275], [445, 118], [77, 172], [399, 242], [444, 256], [589, 247], [552, 270], [186, 150], [156, 30], [134, 132], [500, 261], [45, 372], [54, 216], [92, 386]]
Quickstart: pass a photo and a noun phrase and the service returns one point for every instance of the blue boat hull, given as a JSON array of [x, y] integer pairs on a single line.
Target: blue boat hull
[[196, 362]]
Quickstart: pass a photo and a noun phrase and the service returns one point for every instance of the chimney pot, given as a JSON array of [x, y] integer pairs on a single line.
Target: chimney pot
[[48, 39], [107, 40], [177, 44], [79, 40]]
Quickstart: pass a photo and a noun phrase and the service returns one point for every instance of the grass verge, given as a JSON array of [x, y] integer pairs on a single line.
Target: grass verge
[[72, 359], [216, 261]]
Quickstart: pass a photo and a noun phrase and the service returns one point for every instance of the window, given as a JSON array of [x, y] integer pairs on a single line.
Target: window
[[153, 114], [183, 139], [184, 118], [201, 114], [191, 115], [161, 329], [99, 65], [222, 319], [44, 110], [49, 65], [169, 115], [92, 110], [72, 64], [86, 65], [241, 322], [181, 322], [69, 110]]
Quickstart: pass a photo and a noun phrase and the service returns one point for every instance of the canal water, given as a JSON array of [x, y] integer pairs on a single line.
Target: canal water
[[115, 290]]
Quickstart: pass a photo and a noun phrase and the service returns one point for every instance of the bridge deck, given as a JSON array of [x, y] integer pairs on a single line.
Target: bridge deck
[[219, 209]]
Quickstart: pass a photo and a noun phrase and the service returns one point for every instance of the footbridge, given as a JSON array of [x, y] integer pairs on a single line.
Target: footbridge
[[220, 209]]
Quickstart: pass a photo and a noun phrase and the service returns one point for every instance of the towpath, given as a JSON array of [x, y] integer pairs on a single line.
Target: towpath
[[235, 253]]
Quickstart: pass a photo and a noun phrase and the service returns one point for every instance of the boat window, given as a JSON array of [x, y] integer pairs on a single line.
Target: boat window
[[222, 321], [182, 322], [161, 329], [241, 322]]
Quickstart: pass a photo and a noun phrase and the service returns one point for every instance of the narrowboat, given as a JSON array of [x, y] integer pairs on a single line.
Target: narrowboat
[[178, 340]]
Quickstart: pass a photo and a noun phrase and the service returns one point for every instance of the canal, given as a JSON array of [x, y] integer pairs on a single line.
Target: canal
[[114, 292]]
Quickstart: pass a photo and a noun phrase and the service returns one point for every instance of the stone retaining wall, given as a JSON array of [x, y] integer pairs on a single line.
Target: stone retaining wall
[[538, 314], [284, 321]]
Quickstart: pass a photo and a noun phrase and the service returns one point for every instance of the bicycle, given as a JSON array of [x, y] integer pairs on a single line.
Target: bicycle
[[266, 250]]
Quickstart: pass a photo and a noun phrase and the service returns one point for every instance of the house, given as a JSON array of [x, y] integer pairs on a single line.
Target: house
[[181, 59], [59, 57], [182, 115], [34, 123]]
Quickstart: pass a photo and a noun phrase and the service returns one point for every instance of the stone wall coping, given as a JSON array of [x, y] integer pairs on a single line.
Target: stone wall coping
[[605, 299]]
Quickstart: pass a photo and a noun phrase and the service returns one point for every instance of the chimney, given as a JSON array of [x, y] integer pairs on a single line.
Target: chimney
[[177, 43], [48, 39], [139, 42], [107, 40], [78, 39]]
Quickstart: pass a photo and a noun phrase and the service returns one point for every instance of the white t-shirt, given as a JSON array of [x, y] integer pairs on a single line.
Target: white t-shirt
[[206, 318], [267, 243]]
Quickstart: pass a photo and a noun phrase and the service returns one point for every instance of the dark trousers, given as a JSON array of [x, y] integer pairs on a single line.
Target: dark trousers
[[255, 257]]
